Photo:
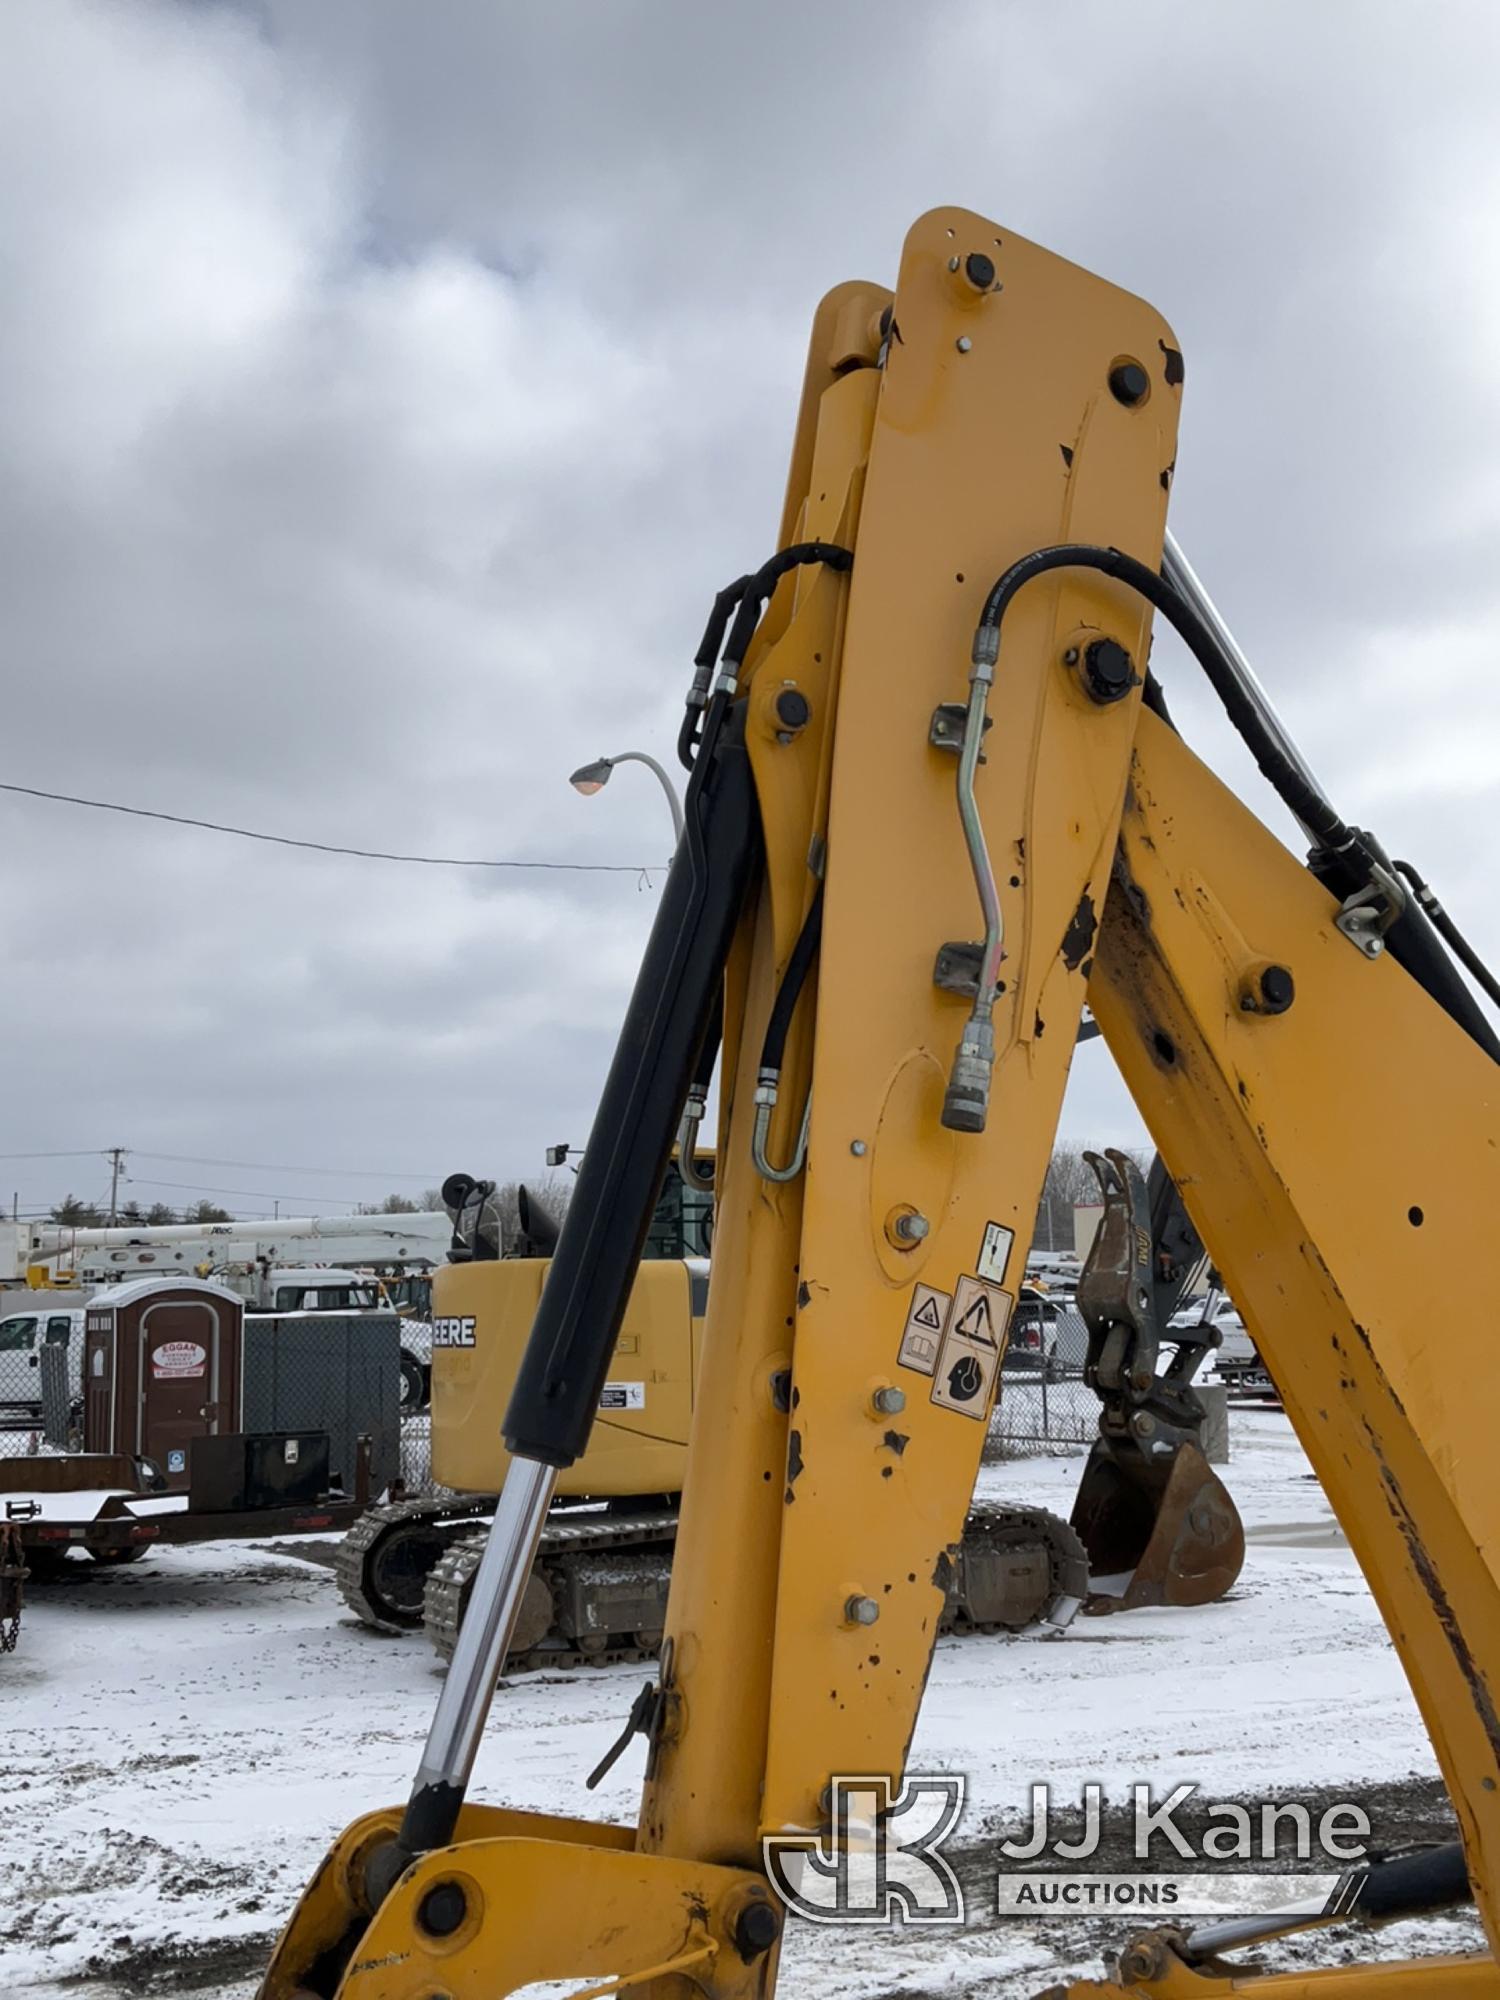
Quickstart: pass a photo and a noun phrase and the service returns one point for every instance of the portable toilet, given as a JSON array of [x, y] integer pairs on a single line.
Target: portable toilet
[[161, 1368]]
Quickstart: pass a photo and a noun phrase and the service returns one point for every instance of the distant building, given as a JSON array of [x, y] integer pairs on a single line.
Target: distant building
[[1087, 1216]]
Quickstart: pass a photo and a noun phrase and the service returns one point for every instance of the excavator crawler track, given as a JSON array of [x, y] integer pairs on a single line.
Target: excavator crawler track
[[599, 1570], [385, 1558], [1017, 1569]]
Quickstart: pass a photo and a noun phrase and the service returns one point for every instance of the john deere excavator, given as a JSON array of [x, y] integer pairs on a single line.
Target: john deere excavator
[[937, 803], [1153, 1528]]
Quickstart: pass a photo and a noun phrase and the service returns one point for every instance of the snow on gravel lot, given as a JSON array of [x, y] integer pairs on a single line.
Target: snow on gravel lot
[[185, 1735]]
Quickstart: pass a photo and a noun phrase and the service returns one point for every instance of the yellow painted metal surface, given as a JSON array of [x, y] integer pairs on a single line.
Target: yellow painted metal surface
[[1442, 1977], [547, 1899], [995, 433], [1333, 1157], [706, 1796], [630, 1451]]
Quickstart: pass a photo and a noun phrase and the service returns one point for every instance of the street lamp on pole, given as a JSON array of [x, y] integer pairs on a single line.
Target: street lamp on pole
[[591, 778]]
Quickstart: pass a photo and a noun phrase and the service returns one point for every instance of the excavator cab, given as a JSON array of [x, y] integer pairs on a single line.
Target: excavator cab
[[483, 1307]]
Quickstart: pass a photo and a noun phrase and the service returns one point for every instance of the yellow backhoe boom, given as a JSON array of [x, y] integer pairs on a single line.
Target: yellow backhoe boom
[[935, 806]]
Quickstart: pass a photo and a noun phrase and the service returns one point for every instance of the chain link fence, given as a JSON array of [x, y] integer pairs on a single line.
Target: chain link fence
[[1043, 1404], [416, 1453], [41, 1377]]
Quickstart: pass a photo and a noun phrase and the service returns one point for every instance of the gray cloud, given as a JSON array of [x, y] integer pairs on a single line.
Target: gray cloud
[[383, 392]]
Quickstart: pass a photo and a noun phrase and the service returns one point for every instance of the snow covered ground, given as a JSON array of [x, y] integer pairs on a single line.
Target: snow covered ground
[[184, 1736]]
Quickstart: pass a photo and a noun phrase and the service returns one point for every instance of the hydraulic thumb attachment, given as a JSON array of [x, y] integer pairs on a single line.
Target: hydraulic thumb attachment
[[1157, 1521]]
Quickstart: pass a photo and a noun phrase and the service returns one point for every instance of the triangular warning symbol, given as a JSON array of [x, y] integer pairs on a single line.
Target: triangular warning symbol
[[976, 1320], [927, 1314]]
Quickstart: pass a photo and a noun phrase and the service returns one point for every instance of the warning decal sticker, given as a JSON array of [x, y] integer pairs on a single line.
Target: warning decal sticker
[[922, 1335], [969, 1359], [623, 1396], [994, 1252]]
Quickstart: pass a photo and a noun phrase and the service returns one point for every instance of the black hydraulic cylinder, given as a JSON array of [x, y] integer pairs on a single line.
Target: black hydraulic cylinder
[[1434, 1878], [1382, 1892], [624, 1164]]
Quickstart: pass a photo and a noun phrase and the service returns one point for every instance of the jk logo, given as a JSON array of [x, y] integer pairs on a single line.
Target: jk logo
[[879, 1861]]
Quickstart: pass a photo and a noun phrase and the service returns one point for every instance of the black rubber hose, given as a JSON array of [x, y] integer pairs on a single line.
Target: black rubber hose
[[703, 661], [1451, 935], [792, 982], [725, 605], [1308, 804], [1342, 857], [1415, 943], [687, 732], [746, 598], [764, 582]]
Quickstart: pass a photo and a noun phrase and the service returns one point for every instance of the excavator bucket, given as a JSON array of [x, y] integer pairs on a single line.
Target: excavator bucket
[[1156, 1519], [1157, 1531]]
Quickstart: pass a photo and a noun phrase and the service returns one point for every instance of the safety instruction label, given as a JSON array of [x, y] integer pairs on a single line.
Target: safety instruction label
[[969, 1359], [922, 1335], [994, 1252], [623, 1396]]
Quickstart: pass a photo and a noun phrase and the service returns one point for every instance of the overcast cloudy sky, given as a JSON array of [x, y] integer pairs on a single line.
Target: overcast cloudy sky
[[385, 389]]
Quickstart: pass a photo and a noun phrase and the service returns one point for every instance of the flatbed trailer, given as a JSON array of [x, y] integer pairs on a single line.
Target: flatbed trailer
[[104, 1503]]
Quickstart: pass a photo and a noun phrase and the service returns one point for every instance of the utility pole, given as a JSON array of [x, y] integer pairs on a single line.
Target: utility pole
[[116, 1156]]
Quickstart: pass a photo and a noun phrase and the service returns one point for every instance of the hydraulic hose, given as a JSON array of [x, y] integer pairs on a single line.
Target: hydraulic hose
[[744, 600], [1303, 799], [704, 661], [1344, 859], [773, 1048], [792, 981], [763, 584], [697, 1104], [1451, 935]]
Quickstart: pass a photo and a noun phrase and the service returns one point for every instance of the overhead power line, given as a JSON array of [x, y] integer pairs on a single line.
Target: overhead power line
[[260, 1167], [254, 1194], [324, 846], [240, 1166], [76, 1153]]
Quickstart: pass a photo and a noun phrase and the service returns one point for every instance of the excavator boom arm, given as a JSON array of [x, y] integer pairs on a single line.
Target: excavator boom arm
[[969, 815]]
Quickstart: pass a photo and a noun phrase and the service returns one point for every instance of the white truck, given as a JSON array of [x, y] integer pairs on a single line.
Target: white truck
[[24, 1333]]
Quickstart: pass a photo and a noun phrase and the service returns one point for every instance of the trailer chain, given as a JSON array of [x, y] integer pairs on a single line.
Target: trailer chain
[[12, 1566]]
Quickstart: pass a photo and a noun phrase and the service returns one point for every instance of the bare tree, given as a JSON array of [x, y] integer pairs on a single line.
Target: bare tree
[[1070, 1180], [549, 1192], [1070, 1184]]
